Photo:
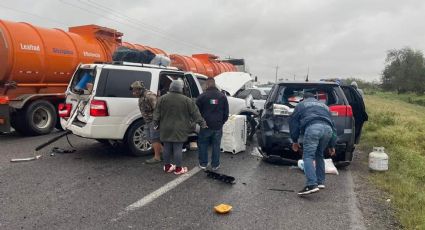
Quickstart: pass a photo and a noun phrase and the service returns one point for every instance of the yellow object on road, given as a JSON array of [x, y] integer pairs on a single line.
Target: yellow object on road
[[223, 208]]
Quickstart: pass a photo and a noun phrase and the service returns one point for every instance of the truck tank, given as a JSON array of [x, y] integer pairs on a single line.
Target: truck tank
[[205, 64], [36, 65], [40, 60], [142, 47]]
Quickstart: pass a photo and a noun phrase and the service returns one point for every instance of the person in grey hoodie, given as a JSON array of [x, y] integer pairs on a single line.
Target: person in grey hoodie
[[173, 116]]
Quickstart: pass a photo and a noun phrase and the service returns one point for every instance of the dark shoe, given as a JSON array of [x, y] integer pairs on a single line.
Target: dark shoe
[[321, 186], [153, 161], [308, 190]]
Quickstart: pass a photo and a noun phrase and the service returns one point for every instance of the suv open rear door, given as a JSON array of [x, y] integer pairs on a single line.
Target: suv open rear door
[[359, 110]]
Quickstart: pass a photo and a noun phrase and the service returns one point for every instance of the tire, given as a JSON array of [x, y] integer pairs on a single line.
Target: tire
[[38, 118], [136, 142]]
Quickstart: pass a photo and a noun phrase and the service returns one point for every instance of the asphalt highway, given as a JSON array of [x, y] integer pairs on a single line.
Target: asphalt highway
[[99, 187]]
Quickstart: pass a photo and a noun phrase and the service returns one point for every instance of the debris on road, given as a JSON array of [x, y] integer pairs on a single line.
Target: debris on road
[[223, 208], [220, 177], [281, 190], [329, 166], [35, 157], [60, 150]]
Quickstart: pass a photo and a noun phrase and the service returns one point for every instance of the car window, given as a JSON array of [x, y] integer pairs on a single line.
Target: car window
[[83, 80], [118, 82], [192, 84], [243, 94], [291, 95], [256, 94]]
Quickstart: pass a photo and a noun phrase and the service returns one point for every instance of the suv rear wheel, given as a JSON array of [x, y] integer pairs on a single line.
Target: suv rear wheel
[[136, 140]]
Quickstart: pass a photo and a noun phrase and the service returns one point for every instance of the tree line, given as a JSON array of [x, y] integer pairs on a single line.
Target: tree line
[[404, 71]]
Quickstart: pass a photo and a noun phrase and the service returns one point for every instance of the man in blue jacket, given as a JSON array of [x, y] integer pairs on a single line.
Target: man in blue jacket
[[214, 108], [313, 119]]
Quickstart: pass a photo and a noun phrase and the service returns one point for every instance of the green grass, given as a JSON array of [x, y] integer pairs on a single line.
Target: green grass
[[400, 127], [406, 97]]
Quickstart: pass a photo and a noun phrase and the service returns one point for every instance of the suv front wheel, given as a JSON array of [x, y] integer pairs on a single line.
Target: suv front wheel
[[136, 141]]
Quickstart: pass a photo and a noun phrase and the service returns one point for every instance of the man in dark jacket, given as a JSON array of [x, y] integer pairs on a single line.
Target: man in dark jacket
[[214, 109], [313, 119], [173, 114]]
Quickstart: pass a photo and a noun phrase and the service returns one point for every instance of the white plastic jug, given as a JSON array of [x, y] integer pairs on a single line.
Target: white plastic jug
[[378, 159]]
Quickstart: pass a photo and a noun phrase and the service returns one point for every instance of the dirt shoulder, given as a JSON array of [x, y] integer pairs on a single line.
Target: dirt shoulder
[[375, 205]]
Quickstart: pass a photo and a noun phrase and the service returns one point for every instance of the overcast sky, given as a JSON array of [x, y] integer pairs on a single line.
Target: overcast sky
[[333, 38]]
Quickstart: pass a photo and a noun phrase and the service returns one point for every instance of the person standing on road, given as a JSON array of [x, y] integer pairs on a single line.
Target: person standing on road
[[214, 108], [147, 104], [355, 86], [172, 116], [313, 119]]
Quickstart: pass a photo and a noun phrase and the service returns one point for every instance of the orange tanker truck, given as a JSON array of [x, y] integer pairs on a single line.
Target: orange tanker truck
[[36, 65]]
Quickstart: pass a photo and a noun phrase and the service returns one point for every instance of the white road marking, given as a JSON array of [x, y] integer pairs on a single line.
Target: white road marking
[[356, 216], [157, 193]]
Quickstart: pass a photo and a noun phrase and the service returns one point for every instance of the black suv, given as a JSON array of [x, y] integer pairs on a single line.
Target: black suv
[[345, 103]]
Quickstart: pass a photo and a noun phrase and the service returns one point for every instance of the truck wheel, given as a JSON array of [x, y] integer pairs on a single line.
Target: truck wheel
[[37, 119], [136, 141]]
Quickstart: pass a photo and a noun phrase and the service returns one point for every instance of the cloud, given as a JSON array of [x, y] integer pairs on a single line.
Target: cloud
[[335, 38]]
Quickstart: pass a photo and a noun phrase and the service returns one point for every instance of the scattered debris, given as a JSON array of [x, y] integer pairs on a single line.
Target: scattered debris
[[220, 177], [36, 157], [60, 150], [223, 208], [281, 190]]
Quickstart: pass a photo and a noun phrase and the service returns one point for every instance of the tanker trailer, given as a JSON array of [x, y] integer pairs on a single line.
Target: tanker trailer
[[36, 65]]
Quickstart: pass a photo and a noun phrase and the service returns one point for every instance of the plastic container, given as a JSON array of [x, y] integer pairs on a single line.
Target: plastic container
[[378, 159]]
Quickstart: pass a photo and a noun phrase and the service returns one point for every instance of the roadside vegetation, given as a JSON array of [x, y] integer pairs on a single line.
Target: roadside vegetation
[[399, 126]]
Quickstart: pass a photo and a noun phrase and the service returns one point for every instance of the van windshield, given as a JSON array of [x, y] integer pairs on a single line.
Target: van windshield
[[83, 81]]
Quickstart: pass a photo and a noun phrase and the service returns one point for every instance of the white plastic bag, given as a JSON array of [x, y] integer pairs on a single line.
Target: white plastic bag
[[329, 166], [161, 60]]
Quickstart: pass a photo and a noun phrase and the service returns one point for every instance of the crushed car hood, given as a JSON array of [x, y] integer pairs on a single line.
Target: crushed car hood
[[232, 82]]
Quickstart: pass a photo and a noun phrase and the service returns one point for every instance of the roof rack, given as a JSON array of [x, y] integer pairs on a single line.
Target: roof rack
[[143, 65]]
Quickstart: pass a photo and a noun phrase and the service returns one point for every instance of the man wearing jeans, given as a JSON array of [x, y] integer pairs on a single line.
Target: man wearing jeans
[[214, 109], [313, 118]]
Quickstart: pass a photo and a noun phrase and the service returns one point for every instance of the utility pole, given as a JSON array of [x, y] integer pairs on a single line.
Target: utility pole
[[308, 71], [277, 67], [294, 77]]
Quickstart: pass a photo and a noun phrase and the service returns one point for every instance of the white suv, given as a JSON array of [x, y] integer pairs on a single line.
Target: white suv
[[103, 107], [99, 103]]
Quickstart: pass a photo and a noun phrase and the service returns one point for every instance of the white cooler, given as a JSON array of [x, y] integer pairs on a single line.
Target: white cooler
[[234, 134]]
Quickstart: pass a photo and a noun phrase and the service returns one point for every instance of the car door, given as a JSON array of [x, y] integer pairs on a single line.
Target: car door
[[359, 110], [194, 86]]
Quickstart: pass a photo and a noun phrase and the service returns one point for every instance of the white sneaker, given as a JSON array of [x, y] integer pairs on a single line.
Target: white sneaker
[[215, 168], [202, 167]]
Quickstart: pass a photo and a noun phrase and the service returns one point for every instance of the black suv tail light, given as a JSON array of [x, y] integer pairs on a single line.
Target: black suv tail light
[[341, 110]]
